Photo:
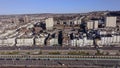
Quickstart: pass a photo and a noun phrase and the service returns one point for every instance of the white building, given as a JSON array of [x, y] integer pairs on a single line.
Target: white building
[[26, 19], [25, 41], [49, 23], [113, 40], [103, 32], [90, 25], [81, 42], [77, 21], [95, 24], [53, 41], [39, 41], [30, 26], [110, 21], [11, 41], [87, 41], [74, 42], [15, 20], [116, 39], [7, 42]]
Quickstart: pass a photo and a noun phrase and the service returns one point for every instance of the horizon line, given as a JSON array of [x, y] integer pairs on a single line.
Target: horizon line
[[59, 12]]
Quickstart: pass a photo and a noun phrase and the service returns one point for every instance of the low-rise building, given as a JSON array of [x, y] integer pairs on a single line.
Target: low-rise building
[[92, 24], [109, 40], [7, 42], [110, 21], [82, 42], [39, 41], [53, 41], [25, 42], [49, 23]]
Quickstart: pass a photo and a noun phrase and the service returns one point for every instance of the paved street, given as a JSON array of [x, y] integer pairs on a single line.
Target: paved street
[[56, 48]]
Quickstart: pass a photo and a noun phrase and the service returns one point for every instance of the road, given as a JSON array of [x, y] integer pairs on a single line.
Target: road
[[56, 48]]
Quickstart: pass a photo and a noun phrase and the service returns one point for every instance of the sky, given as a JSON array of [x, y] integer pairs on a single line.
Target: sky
[[56, 6]]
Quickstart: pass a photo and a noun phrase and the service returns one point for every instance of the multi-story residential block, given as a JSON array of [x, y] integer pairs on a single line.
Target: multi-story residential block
[[8, 42], [92, 24], [110, 21], [25, 42], [53, 41], [39, 41], [49, 23], [95, 24]]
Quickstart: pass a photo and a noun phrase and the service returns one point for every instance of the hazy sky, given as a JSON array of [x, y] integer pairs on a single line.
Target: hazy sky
[[56, 6]]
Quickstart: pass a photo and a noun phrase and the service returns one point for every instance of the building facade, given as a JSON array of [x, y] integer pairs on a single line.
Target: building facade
[[49, 23], [110, 21]]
